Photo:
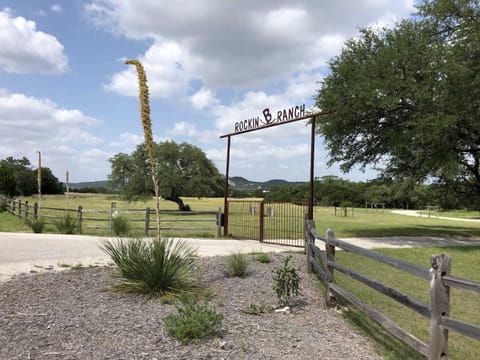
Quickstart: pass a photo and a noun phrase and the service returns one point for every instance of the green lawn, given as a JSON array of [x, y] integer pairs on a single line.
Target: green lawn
[[464, 305], [370, 223]]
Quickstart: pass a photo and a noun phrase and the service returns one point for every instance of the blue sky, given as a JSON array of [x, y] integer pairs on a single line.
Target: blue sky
[[65, 91]]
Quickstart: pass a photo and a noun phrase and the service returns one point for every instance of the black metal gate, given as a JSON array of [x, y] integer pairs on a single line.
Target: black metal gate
[[279, 223]]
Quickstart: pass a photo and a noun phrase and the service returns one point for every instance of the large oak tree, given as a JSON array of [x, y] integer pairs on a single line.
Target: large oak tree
[[407, 99], [182, 170]]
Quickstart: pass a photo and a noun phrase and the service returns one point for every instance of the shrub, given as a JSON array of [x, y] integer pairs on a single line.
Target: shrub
[[3, 204], [120, 225], [194, 321], [37, 225], [153, 268], [263, 258], [67, 225], [286, 282], [237, 265]]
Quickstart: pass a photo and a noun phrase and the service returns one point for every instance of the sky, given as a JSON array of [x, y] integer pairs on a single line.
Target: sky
[[65, 89]]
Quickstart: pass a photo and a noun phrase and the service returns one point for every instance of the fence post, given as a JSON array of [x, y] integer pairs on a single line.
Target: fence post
[[13, 206], [20, 208], [80, 218], [35, 211], [440, 304], [112, 206], [262, 208], [26, 210], [330, 299], [309, 241], [219, 222], [147, 221]]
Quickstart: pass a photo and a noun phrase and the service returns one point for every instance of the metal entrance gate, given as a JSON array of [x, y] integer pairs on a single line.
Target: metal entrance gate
[[271, 222]]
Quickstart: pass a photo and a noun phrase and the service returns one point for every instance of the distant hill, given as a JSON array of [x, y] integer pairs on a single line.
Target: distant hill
[[90, 184], [241, 183], [236, 182]]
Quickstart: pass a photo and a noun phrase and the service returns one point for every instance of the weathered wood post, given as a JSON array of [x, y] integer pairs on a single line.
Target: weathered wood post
[[35, 211], [147, 221], [309, 241], [26, 210], [440, 304], [262, 221], [112, 207], [330, 299], [20, 208], [13, 206], [80, 218], [219, 222]]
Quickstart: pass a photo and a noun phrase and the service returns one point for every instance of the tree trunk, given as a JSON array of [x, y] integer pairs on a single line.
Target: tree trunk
[[181, 205]]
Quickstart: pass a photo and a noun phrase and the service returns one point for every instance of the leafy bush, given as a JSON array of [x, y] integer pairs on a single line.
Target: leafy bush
[[37, 225], [237, 265], [67, 225], [120, 225], [153, 268], [286, 282], [194, 321], [3, 204], [263, 258]]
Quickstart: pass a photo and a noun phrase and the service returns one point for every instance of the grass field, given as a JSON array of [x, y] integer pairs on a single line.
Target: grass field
[[361, 223], [464, 305]]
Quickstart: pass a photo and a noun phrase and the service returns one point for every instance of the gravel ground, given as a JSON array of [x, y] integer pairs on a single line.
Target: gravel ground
[[73, 315]]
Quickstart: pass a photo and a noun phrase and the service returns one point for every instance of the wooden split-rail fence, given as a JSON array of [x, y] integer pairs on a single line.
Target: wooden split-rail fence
[[101, 220], [323, 264]]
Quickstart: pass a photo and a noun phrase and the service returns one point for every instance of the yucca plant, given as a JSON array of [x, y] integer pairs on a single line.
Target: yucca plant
[[37, 225], [147, 130], [120, 225], [237, 265], [66, 224], [153, 268]]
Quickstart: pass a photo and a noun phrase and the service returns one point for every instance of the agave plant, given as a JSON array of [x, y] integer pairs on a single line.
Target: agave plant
[[153, 268], [147, 130]]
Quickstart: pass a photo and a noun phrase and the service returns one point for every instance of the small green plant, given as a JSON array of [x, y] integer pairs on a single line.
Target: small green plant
[[153, 268], [286, 282], [37, 225], [120, 225], [263, 258], [237, 265], [193, 322], [67, 225], [254, 309]]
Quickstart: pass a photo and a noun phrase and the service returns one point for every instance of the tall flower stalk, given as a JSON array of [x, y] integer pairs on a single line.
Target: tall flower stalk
[[147, 130]]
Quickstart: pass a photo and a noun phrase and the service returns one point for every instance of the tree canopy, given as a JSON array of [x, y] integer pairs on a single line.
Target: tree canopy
[[406, 99], [17, 177], [182, 170]]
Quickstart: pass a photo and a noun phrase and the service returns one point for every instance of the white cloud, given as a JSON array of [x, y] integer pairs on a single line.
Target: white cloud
[[184, 129], [240, 44], [203, 98], [24, 49], [29, 124], [169, 71], [56, 8]]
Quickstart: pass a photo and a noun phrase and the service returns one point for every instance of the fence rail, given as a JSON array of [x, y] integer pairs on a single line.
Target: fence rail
[[101, 220], [323, 264]]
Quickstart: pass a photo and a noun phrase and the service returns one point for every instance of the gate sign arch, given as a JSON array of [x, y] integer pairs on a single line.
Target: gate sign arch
[[266, 120]]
